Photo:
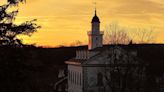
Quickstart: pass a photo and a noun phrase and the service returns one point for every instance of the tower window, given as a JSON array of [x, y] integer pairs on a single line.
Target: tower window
[[96, 38]]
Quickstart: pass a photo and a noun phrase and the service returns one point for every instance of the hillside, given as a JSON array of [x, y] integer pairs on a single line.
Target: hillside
[[35, 69]]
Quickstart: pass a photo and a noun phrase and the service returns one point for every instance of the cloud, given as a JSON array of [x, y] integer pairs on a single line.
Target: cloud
[[140, 7]]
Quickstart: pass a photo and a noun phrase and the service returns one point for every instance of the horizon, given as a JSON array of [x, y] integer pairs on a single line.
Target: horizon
[[64, 23], [77, 46]]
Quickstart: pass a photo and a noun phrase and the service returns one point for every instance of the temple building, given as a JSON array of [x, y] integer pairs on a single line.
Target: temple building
[[87, 71], [84, 69], [109, 68]]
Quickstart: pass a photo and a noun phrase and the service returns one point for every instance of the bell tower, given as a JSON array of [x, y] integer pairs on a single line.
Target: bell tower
[[95, 36]]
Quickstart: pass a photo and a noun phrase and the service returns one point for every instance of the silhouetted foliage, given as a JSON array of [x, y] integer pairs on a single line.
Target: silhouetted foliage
[[9, 30], [31, 69], [141, 76], [13, 69], [15, 72], [34, 69], [15, 2]]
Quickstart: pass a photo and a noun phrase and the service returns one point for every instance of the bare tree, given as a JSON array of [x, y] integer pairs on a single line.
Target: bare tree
[[144, 35], [116, 34], [125, 72]]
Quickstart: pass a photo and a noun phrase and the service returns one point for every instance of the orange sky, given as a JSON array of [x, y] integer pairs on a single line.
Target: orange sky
[[66, 21]]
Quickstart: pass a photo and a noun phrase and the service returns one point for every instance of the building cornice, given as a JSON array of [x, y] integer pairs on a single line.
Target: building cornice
[[73, 63]]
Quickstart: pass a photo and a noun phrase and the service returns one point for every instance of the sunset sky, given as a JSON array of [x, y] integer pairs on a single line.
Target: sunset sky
[[66, 21]]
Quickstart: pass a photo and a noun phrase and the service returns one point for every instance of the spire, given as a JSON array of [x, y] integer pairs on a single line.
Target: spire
[[95, 12], [95, 18], [95, 9]]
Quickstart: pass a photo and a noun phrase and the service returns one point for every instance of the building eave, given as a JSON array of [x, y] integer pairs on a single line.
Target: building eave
[[72, 63]]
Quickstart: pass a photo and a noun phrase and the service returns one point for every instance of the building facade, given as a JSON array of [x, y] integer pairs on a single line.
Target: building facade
[[82, 75], [107, 68]]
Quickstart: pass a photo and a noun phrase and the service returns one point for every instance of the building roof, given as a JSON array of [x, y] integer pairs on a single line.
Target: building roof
[[95, 19], [152, 53]]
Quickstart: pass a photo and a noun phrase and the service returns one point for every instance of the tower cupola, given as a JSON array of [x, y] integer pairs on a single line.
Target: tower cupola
[[95, 18], [95, 35]]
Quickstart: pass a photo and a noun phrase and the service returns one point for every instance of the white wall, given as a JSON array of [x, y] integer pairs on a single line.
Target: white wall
[[95, 28], [75, 78]]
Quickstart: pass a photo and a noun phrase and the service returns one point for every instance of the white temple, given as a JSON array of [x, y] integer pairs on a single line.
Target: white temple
[[85, 71], [105, 68]]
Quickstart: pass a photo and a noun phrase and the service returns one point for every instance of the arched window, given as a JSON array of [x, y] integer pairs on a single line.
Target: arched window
[[75, 78], [96, 38], [71, 76], [99, 79], [68, 75], [80, 79]]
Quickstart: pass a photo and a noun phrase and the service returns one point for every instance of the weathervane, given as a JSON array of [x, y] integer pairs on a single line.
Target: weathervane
[[95, 6]]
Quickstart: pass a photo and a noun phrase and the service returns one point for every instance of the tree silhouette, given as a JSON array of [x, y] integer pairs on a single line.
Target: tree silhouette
[[116, 34], [126, 72], [14, 71], [9, 30]]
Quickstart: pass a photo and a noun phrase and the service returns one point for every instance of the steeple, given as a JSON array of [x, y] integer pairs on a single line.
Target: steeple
[[95, 18], [95, 36], [95, 12], [95, 9]]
